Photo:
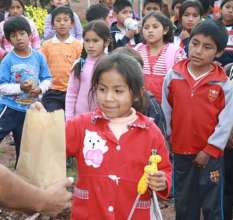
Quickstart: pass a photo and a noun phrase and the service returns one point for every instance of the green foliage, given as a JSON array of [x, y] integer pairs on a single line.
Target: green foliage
[[38, 15]]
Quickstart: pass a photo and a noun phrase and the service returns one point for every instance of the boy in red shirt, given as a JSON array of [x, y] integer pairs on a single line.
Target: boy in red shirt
[[197, 102]]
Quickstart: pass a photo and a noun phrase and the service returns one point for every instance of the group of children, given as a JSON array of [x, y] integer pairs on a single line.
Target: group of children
[[107, 77]]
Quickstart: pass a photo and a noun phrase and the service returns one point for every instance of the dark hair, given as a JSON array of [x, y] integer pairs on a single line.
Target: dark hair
[[224, 2], [129, 69], [120, 5], [130, 52], [166, 23], [205, 5], [102, 30], [62, 10], [175, 2], [190, 3], [158, 2], [20, 2], [97, 11], [214, 29], [14, 24], [5, 4]]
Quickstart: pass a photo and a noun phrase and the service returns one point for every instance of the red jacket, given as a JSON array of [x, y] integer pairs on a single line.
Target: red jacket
[[109, 169], [198, 115]]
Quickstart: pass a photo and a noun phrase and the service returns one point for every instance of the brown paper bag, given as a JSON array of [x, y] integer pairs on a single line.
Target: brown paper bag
[[42, 159]]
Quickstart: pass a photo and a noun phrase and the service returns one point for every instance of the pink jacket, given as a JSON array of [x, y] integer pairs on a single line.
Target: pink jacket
[[77, 99]]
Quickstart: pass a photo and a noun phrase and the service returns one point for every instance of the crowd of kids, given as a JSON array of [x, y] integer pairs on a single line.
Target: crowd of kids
[[130, 84]]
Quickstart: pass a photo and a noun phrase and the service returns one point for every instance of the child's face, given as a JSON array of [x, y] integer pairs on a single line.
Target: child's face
[[227, 12], [151, 7], [127, 12], [15, 9], [62, 25], [20, 40], [153, 31], [93, 44], [58, 3], [113, 95], [202, 50], [190, 18]]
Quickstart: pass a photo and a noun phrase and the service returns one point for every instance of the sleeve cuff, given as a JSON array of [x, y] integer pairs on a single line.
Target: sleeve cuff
[[213, 151]]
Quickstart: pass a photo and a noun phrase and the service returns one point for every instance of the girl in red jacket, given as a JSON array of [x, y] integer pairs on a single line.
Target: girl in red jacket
[[158, 53], [112, 145]]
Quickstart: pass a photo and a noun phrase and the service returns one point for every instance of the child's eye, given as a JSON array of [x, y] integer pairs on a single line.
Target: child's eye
[[119, 91], [101, 89]]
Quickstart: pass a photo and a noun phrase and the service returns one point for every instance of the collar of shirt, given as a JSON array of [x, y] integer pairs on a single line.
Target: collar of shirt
[[140, 122], [69, 40]]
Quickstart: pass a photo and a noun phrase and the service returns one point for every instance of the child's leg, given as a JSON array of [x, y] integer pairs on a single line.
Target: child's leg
[[7, 122], [187, 198], [54, 100], [211, 188], [17, 132]]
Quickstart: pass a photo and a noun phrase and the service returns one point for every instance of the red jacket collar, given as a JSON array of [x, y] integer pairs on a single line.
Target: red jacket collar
[[217, 73], [141, 122]]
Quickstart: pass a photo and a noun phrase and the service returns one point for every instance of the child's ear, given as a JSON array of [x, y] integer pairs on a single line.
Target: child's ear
[[219, 54]]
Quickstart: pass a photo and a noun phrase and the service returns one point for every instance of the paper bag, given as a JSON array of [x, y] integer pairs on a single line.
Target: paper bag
[[42, 159]]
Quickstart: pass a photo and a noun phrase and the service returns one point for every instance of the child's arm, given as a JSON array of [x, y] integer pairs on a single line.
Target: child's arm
[[166, 107], [124, 40], [35, 37], [218, 139], [160, 181], [44, 75], [6, 86], [78, 27], [71, 96]]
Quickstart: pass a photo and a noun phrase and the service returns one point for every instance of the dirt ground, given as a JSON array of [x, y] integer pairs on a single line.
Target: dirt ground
[[7, 158]]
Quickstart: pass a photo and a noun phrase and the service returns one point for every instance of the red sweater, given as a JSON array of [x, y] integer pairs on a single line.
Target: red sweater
[[198, 115], [109, 169]]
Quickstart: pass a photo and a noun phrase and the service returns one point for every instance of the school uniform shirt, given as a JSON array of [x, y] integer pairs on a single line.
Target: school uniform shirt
[[119, 39], [76, 31], [60, 56], [110, 168], [197, 112], [156, 67], [6, 46], [15, 69]]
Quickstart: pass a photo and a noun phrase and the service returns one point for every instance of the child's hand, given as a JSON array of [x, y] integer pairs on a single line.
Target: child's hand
[[184, 34], [26, 85], [130, 33], [157, 181], [38, 107], [201, 159], [34, 92]]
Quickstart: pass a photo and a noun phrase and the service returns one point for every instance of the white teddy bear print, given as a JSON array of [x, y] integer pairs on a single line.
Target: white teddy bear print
[[94, 149]]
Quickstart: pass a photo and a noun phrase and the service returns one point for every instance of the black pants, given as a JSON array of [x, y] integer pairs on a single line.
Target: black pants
[[228, 184], [54, 100], [12, 121], [198, 189]]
